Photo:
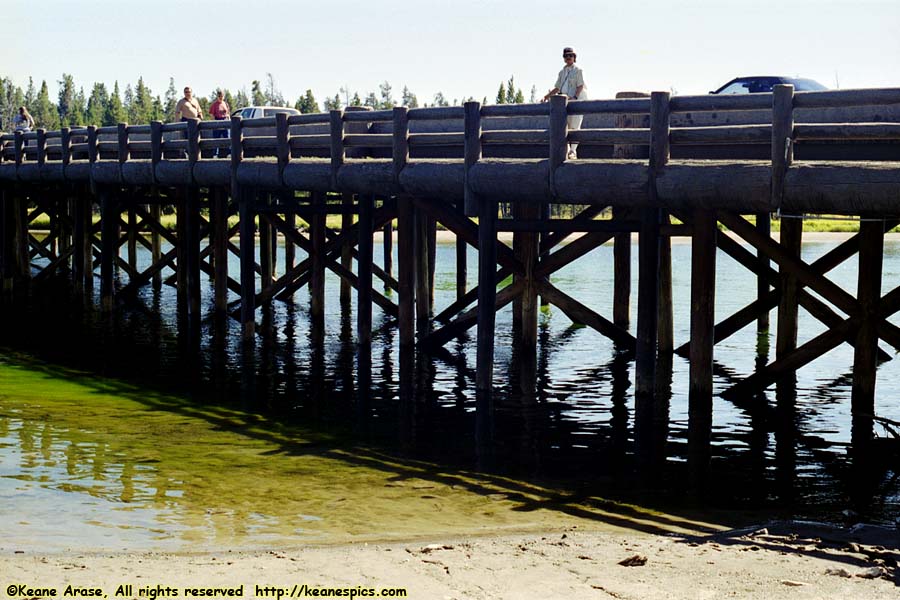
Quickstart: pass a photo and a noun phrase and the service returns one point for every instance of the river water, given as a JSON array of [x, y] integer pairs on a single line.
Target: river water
[[122, 431]]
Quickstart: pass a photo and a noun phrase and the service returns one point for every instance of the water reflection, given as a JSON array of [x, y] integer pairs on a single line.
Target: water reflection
[[564, 416]]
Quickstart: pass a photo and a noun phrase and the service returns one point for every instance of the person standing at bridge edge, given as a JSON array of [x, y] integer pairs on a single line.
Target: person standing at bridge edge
[[571, 83], [219, 111], [23, 121], [188, 107]]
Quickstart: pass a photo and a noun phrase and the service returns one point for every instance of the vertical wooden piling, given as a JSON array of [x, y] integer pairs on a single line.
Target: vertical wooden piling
[[462, 273], [622, 273], [247, 230], [109, 242], [648, 252], [155, 208], [703, 296], [347, 246], [364, 284], [764, 227], [406, 274], [423, 294], [219, 239], [387, 241], [666, 333], [791, 225], [317, 271], [487, 296], [865, 363], [266, 259]]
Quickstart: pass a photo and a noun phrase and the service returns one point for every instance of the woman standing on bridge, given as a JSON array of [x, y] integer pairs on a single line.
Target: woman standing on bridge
[[23, 121], [571, 83]]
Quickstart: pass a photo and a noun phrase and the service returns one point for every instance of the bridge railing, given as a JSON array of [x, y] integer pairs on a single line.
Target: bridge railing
[[366, 133]]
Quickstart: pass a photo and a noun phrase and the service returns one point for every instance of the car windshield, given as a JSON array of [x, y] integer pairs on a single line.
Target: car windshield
[[807, 85]]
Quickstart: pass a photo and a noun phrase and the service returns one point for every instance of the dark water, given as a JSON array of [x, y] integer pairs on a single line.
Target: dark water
[[570, 423]]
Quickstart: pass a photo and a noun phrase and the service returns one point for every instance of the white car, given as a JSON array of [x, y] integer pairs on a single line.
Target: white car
[[257, 112]]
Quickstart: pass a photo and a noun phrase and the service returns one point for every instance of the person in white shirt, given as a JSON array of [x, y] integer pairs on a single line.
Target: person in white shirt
[[571, 83]]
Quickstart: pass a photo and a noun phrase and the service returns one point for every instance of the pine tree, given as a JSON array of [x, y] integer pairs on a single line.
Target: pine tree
[[333, 103], [439, 100], [387, 101], [273, 95], [171, 99], [66, 99], [96, 105], [45, 112], [140, 111], [533, 97], [258, 98], [356, 100], [371, 100], [307, 103], [30, 95], [128, 102], [241, 100], [79, 109], [115, 112], [409, 99], [501, 95]]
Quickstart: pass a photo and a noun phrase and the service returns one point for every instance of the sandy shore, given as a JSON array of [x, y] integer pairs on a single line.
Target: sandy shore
[[780, 561]]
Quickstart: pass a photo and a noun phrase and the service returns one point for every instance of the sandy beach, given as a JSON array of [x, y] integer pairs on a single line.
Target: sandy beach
[[778, 561]]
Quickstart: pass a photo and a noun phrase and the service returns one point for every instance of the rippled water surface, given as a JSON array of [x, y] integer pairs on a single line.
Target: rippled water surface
[[141, 437]]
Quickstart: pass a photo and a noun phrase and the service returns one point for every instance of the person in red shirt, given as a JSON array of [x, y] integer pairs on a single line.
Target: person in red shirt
[[219, 111]]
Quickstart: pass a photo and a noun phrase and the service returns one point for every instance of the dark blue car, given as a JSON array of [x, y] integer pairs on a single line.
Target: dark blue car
[[765, 83]]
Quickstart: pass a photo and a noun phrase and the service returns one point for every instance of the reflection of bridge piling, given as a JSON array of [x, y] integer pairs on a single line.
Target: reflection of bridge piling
[[712, 160]]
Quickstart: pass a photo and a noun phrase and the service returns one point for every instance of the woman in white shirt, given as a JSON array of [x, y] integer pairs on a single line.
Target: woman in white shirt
[[571, 83]]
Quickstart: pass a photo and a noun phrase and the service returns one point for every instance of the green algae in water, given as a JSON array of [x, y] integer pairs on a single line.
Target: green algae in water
[[89, 463]]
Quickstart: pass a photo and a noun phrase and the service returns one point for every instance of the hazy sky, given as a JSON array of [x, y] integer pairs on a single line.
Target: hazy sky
[[460, 47]]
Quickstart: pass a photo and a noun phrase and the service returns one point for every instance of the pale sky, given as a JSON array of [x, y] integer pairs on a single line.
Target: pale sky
[[460, 47]]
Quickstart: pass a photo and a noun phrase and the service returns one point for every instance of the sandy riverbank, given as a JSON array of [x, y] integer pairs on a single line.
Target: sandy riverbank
[[780, 561]]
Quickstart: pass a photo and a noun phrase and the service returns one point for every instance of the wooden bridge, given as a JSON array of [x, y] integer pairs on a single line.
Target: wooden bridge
[[703, 159]]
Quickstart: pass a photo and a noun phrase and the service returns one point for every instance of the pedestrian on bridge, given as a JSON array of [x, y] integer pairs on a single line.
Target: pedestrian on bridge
[[570, 82], [188, 107], [220, 111]]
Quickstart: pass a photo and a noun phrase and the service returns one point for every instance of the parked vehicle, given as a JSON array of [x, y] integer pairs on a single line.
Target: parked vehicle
[[257, 112], [764, 83]]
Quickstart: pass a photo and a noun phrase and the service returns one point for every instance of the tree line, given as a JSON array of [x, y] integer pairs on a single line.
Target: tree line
[[137, 103]]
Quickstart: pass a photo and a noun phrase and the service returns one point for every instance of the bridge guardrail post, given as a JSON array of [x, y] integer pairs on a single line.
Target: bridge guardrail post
[[472, 153], [559, 131], [65, 147], [782, 134], [337, 144], [41, 146], [19, 147], [400, 147], [155, 146], [283, 143]]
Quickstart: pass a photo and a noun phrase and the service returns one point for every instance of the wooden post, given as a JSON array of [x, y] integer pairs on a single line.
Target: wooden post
[[192, 246], [432, 258], [19, 147], [791, 226], [156, 242], [317, 271], [347, 246], [181, 250], [487, 296], [266, 259], [622, 273], [558, 132], [472, 152], [648, 253], [7, 228], [124, 156], [219, 235], [337, 144], [400, 148], [247, 229], [703, 296], [290, 219], [20, 217], [388, 243], [406, 274], [41, 146], [764, 228], [461, 259], [782, 134], [791, 239], [666, 331], [283, 153], [865, 358], [423, 304], [364, 284], [527, 252], [109, 241]]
